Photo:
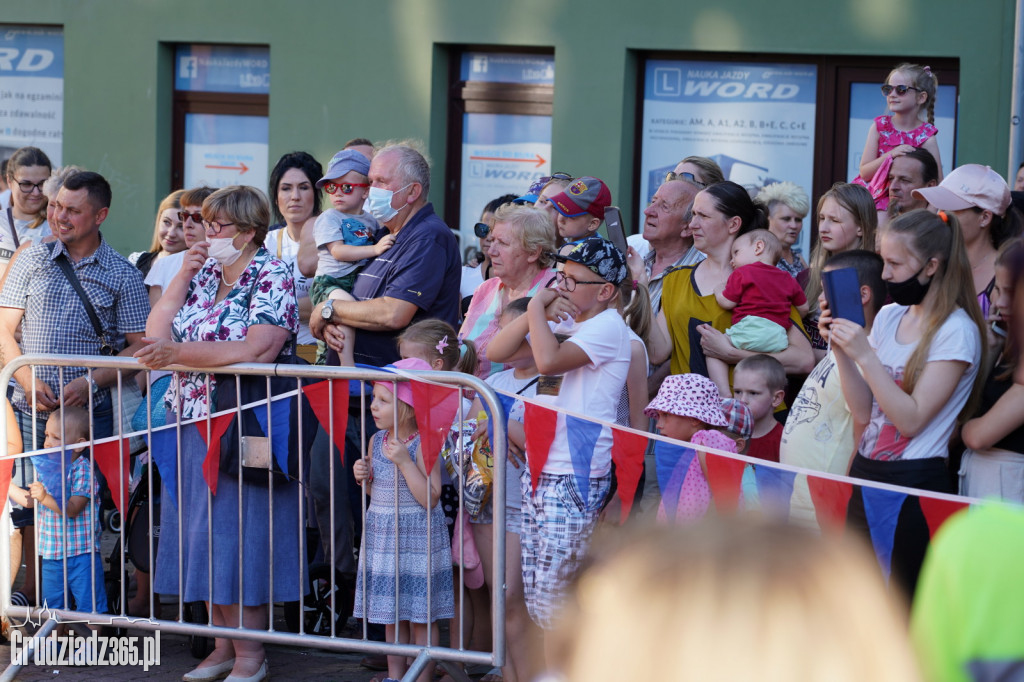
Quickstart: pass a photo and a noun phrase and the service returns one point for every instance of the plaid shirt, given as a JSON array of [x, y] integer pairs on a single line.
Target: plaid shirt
[[691, 257], [84, 529], [55, 320]]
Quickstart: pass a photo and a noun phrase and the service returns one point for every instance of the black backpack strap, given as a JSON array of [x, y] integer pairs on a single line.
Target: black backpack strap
[[14, 230]]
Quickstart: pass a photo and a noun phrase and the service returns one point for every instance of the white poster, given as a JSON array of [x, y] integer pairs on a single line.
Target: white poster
[[755, 120], [222, 150], [32, 90]]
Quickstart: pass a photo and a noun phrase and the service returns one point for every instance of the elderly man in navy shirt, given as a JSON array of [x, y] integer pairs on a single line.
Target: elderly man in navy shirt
[[417, 278]]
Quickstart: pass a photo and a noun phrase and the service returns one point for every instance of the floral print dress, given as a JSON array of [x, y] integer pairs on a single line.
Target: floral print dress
[[264, 294]]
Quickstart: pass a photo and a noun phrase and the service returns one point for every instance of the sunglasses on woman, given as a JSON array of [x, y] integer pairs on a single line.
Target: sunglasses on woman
[[481, 230], [345, 187], [689, 177], [900, 89]]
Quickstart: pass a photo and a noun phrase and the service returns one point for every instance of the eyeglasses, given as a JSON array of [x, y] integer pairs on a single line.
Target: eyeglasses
[[568, 282], [481, 230], [900, 89], [196, 217], [214, 226], [345, 187], [672, 175], [27, 187]]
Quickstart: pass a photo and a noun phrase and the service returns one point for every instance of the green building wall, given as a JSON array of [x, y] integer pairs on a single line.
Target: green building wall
[[379, 69]]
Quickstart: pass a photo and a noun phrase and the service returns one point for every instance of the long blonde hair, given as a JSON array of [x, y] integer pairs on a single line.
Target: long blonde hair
[[172, 200], [734, 599], [932, 236], [857, 200]]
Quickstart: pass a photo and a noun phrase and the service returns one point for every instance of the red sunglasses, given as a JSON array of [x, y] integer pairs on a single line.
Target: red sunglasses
[[345, 187]]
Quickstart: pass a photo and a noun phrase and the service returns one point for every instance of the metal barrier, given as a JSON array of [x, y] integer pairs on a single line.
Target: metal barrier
[[358, 408]]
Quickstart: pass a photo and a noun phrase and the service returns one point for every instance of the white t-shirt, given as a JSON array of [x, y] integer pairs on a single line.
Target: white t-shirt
[[957, 339], [507, 382], [8, 245], [593, 389], [471, 279], [164, 269], [289, 253]]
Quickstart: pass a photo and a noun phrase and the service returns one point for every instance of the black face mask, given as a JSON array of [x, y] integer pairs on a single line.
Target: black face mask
[[910, 291]]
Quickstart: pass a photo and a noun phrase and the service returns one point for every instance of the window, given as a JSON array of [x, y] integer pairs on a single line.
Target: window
[[220, 134], [500, 116]]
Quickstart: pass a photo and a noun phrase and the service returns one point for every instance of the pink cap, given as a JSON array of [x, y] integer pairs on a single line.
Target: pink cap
[[689, 395], [969, 186], [404, 387]]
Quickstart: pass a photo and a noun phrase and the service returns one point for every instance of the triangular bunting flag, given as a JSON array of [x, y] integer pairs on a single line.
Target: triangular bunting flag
[[775, 489], [936, 512], [51, 474], [582, 436], [6, 469], [882, 509], [280, 427], [323, 397], [539, 437], [724, 478], [112, 459], [750, 498], [211, 465], [628, 454], [830, 499], [436, 408], [506, 402], [671, 462], [163, 450]]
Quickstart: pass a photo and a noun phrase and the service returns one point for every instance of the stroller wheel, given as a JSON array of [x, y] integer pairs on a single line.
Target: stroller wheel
[[199, 646], [114, 521]]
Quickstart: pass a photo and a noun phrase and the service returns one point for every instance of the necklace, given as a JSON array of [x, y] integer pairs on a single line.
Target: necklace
[[403, 441], [231, 284]]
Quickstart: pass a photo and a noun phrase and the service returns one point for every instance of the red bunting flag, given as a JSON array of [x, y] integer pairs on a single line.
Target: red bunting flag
[[323, 396], [936, 512], [6, 469], [725, 476], [436, 408], [539, 437], [211, 465], [830, 499], [112, 459], [628, 454]]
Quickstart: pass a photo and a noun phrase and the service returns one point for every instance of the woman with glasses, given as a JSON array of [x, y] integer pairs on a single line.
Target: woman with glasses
[[190, 218], [691, 325], [24, 221], [522, 255], [232, 301], [699, 170]]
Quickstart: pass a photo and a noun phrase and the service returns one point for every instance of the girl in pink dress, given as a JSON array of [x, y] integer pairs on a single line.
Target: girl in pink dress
[[910, 95]]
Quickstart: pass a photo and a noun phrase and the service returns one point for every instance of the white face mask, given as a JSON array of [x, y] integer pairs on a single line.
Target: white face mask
[[222, 250], [378, 203]]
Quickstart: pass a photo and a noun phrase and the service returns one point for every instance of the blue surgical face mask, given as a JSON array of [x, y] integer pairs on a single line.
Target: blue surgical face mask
[[378, 203]]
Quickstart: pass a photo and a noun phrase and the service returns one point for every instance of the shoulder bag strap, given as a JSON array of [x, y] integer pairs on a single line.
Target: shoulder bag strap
[[14, 229], [65, 266]]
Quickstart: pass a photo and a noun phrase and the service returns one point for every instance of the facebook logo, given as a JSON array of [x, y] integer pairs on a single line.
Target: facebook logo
[[188, 67], [479, 64]]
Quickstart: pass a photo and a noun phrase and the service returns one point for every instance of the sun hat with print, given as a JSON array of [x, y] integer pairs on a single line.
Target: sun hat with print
[[689, 395], [344, 161], [584, 195], [969, 186], [739, 417], [601, 257], [404, 387]]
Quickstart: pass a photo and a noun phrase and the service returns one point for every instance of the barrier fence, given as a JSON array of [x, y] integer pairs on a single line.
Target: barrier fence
[[257, 445]]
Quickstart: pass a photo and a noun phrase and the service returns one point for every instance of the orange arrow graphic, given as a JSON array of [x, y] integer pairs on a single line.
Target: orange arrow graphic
[[537, 159], [241, 168]]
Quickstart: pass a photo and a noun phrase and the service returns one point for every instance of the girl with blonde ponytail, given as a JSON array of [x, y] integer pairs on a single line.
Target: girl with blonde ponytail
[[915, 374]]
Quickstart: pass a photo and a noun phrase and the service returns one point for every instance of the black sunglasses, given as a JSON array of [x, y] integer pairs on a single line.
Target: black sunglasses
[[481, 230], [900, 89]]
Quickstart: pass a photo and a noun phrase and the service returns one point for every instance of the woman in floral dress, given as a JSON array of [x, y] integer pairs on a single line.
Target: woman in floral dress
[[230, 302]]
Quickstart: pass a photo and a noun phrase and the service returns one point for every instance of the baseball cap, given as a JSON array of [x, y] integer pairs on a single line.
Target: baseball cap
[[526, 199], [601, 257], [739, 418], [969, 186], [584, 195], [688, 395], [344, 161], [404, 387]]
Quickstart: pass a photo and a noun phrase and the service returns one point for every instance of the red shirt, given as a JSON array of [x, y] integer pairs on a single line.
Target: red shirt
[[764, 291], [767, 446]]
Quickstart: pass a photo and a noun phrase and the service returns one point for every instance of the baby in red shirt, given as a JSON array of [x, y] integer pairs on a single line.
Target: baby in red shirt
[[760, 297]]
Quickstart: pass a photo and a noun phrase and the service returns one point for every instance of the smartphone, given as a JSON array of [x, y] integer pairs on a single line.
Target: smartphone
[[616, 233]]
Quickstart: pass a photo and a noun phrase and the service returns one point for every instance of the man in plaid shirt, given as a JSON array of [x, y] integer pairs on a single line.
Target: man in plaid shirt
[[69, 503]]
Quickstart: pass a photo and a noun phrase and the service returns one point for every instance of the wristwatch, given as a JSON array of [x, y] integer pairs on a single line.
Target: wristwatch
[[95, 386], [327, 312]]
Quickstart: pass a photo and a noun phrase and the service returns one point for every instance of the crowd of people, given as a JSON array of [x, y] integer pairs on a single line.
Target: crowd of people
[[713, 329]]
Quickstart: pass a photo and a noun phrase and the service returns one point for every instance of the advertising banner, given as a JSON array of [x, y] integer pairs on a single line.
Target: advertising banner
[[756, 120], [222, 68], [32, 89], [222, 150]]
